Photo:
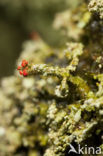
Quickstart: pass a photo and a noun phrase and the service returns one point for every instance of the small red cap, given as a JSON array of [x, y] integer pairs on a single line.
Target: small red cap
[[24, 63], [21, 73], [19, 67], [25, 73]]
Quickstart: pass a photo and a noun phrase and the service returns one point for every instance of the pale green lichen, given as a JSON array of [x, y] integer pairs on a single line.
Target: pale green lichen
[[73, 21], [61, 100], [96, 6]]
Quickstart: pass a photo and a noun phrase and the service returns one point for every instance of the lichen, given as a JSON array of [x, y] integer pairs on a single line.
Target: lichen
[[96, 6], [60, 99]]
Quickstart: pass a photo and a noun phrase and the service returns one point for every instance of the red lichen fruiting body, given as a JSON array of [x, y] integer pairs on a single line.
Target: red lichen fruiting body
[[19, 68], [24, 63], [21, 73], [25, 73]]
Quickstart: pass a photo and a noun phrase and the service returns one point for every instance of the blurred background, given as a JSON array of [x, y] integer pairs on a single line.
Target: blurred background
[[19, 19]]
